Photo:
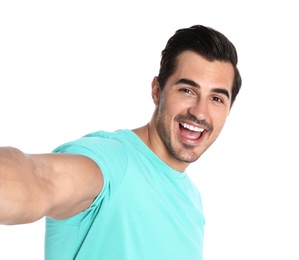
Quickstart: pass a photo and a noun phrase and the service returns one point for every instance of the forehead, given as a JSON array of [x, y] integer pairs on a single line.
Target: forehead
[[193, 66]]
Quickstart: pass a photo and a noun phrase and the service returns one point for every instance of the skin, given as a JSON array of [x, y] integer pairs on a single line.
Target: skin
[[62, 185], [54, 185], [199, 94]]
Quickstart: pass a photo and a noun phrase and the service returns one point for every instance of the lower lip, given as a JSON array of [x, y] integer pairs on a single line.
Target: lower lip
[[191, 141]]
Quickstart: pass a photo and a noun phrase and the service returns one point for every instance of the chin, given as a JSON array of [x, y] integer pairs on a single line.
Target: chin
[[187, 158]]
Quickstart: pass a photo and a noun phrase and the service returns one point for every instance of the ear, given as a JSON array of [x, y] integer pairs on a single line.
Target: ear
[[155, 91]]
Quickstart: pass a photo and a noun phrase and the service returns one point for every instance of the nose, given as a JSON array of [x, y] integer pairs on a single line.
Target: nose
[[200, 109]]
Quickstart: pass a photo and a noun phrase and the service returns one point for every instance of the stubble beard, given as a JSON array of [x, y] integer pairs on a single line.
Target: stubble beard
[[182, 152]]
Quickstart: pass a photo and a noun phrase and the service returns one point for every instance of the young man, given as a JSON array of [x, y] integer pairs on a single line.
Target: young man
[[125, 195]]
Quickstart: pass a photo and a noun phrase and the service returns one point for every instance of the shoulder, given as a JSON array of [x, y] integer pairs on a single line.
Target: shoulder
[[106, 149]]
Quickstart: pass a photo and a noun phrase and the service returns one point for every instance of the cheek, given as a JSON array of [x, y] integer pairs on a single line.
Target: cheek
[[178, 106], [167, 111], [166, 106], [219, 119]]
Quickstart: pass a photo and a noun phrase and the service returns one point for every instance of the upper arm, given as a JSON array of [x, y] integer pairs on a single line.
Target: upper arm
[[68, 183]]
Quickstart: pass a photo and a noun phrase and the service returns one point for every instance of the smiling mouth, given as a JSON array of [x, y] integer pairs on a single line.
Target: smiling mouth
[[190, 131]]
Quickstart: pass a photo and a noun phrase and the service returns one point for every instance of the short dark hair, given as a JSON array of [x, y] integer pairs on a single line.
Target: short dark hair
[[205, 41]]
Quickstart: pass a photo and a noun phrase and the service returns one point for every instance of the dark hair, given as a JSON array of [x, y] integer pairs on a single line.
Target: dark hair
[[205, 41]]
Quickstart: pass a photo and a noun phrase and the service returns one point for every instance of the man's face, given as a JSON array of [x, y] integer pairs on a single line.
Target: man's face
[[193, 106]]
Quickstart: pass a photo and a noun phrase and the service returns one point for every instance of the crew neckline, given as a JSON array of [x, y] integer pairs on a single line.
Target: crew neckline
[[143, 147]]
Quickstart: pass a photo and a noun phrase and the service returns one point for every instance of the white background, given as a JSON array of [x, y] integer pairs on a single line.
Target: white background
[[68, 68]]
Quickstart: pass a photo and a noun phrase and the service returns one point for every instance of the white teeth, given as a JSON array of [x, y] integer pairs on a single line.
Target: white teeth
[[192, 128]]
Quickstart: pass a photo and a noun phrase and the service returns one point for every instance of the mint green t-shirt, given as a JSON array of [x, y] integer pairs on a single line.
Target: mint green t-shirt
[[145, 211]]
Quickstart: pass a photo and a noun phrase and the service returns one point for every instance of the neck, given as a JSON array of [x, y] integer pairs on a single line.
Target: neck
[[149, 135]]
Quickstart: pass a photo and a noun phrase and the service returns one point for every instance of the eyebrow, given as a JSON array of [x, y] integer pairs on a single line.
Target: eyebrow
[[221, 91], [194, 84], [188, 82]]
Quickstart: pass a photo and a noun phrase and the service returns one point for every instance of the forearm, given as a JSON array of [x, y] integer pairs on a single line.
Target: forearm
[[16, 187]]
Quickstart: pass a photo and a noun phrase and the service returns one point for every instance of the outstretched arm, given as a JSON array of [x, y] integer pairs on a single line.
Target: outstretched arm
[[54, 185]]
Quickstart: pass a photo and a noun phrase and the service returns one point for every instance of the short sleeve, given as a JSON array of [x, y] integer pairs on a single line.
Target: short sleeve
[[110, 156]]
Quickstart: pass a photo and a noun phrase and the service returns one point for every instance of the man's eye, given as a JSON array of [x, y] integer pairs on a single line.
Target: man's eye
[[217, 99], [186, 90]]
